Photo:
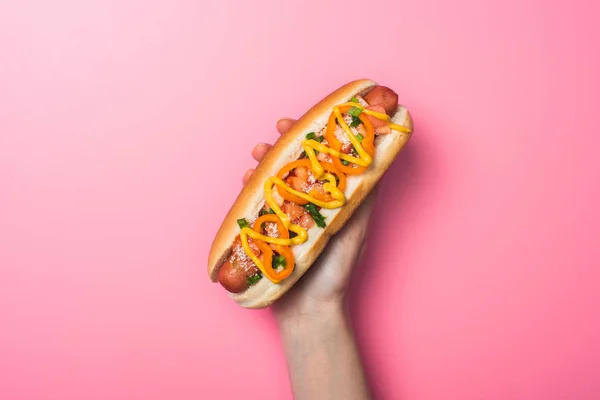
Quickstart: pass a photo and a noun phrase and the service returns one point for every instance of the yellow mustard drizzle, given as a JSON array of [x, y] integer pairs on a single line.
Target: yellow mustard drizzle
[[339, 199]]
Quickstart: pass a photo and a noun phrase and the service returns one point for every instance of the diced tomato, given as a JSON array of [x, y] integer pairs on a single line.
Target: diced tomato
[[324, 157], [306, 221], [253, 247], [302, 173], [292, 210], [296, 183], [346, 148], [383, 130]]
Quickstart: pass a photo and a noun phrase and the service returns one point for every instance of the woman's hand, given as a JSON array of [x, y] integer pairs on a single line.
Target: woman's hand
[[317, 339]]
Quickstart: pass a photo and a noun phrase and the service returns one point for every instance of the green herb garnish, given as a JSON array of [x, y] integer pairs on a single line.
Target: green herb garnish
[[265, 212], [315, 214], [344, 162], [354, 99], [360, 137], [252, 279], [354, 111], [313, 136], [355, 122], [243, 223], [279, 261]]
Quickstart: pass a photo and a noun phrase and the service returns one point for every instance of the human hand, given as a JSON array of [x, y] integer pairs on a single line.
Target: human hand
[[324, 285]]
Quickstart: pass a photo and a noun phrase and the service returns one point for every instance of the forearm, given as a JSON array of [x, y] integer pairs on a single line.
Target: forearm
[[322, 357]]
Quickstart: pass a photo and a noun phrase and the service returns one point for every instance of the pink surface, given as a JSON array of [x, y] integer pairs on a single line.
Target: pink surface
[[125, 128]]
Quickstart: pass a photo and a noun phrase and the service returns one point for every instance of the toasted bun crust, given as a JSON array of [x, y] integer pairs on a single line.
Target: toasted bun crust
[[287, 149]]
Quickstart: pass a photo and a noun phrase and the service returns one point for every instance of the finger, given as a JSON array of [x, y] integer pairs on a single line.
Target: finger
[[260, 150], [247, 176], [285, 124]]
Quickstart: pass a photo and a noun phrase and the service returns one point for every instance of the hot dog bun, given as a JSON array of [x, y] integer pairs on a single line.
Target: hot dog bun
[[287, 149]]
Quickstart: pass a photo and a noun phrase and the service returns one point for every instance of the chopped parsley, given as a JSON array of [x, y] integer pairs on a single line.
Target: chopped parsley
[[344, 162], [312, 136], [354, 111], [279, 261], [265, 212], [354, 99], [355, 122], [360, 137], [243, 223], [315, 214], [252, 279]]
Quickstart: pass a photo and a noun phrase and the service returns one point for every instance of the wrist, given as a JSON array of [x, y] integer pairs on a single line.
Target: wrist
[[308, 312]]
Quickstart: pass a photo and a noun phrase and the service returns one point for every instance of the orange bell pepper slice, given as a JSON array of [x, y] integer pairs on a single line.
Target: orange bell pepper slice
[[286, 252], [367, 142], [286, 169], [329, 167], [324, 196], [283, 232], [267, 254]]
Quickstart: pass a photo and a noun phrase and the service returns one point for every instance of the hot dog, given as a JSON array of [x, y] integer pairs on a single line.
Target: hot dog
[[305, 189]]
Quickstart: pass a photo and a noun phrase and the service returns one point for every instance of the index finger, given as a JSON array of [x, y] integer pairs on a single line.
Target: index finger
[[285, 124]]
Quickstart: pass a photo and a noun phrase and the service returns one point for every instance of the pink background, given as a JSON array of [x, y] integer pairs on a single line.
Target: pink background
[[115, 116]]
